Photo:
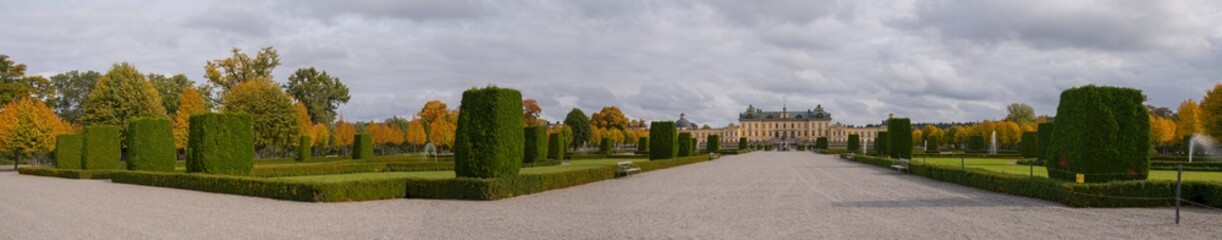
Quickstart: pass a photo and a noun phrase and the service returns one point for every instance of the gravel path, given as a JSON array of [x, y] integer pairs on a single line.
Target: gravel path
[[767, 195]]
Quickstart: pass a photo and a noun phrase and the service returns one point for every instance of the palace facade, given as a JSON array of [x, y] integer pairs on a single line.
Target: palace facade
[[782, 128]]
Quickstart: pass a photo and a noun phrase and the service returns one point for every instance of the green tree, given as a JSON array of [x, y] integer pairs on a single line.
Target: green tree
[[15, 85], [1020, 113], [120, 95], [580, 124], [170, 88], [227, 73], [73, 87], [321, 93], [275, 120], [1211, 112]]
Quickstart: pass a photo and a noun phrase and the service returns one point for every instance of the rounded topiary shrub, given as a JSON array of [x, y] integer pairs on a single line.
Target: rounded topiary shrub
[[1028, 145], [1101, 132], [685, 146], [221, 143], [854, 143], [488, 142], [305, 149], [536, 140], [150, 145], [901, 143], [68, 151], [713, 143], [102, 148], [663, 140]]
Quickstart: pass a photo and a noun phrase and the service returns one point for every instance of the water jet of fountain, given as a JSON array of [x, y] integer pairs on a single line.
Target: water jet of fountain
[[1204, 141], [993, 144]]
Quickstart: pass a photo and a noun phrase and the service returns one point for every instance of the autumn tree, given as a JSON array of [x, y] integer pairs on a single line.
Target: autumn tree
[[531, 112], [1188, 119], [322, 135], [28, 126], [303, 118], [189, 102], [1162, 131], [579, 123], [73, 87], [120, 95], [344, 133], [917, 137], [1211, 112], [433, 111], [229, 72], [1020, 113], [442, 132], [275, 120], [321, 93], [610, 117], [415, 133]]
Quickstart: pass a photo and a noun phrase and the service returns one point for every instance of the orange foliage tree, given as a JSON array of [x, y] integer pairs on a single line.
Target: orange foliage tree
[[27, 126]]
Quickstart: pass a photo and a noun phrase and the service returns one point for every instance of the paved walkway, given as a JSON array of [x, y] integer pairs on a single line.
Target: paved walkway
[[767, 195]]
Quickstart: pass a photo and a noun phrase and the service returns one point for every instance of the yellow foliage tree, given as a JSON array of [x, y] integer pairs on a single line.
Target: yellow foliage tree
[[1211, 112], [441, 133], [415, 133], [918, 137], [1188, 118], [303, 119], [189, 102], [322, 135], [344, 133], [28, 126], [1162, 131]]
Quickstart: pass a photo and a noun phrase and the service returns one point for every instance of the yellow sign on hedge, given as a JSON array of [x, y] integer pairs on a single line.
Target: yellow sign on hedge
[[1081, 178]]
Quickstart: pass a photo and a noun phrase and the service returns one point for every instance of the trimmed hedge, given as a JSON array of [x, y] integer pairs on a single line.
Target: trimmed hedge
[[663, 140], [67, 173], [821, 143], [931, 146], [221, 143], [1029, 146], [488, 142], [1151, 193], [694, 147], [305, 149], [854, 144], [555, 146], [642, 145], [1044, 135], [975, 144], [68, 151], [901, 142], [966, 155], [713, 143], [1102, 132], [101, 148], [288, 170], [742, 143], [685, 144], [150, 145], [357, 190], [605, 146], [536, 140], [362, 146], [880, 144]]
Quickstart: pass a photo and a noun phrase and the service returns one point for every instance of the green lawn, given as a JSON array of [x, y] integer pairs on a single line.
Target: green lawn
[[575, 165], [1008, 166]]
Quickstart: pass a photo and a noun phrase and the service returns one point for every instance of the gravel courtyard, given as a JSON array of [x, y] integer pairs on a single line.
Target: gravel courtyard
[[765, 195]]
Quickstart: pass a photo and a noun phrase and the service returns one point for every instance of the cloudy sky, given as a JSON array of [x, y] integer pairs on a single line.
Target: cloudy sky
[[931, 60]]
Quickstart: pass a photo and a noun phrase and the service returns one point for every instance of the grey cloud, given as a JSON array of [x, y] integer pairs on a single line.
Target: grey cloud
[[239, 18], [416, 10]]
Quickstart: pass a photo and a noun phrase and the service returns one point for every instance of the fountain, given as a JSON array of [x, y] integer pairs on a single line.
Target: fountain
[[865, 148], [993, 144], [1204, 141]]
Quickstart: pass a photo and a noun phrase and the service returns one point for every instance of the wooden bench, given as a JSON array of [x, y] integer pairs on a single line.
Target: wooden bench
[[626, 167], [900, 164]]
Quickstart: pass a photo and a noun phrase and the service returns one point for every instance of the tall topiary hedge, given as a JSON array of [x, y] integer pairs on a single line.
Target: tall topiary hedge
[[362, 146], [931, 145], [642, 145], [556, 146], [1101, 132], [221, 143], [742, 143], [305, 149], [605, 146], [68, 151], [901, 142], [101, 148], [536, 141], [854, 144], [685, 144], [694, 147], [713, 143], [975, 144], [1045, 136], [488, 142], [150, 145], [821, 143], [1028, 146], [880, 143], [663, 140]]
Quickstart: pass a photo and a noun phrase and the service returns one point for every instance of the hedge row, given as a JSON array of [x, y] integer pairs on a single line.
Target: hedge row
[[67, 173], [68, 151], [221, 143], [854, 144], [289, 170], [663, 140], [821, 143], [1102, 131], [742, 143], [685, 144], [101, 148], [965, 155], [150, 145], [357, 190], [713, 143], [555, 146], [642, 145], [1118, 194], [1029, 147], [362, 146], [536, 142], [1193, 166], [881, 145]]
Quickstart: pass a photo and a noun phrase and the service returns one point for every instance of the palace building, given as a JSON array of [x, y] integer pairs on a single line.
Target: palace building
[[783, 129]]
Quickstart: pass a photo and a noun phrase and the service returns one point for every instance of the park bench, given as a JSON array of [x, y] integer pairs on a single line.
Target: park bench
[[626, 167], [900, 164]]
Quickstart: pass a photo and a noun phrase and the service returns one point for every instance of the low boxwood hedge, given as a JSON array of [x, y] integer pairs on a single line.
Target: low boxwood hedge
[[67, 173], [356, 190]]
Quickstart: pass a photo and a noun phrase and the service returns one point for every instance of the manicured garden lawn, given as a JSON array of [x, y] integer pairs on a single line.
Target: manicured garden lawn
[[1008, 166], [575, 165]]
